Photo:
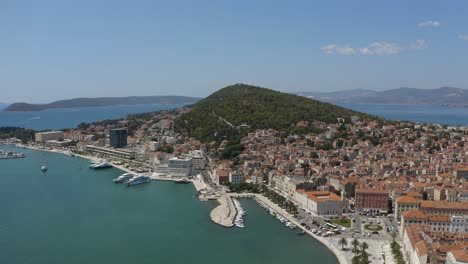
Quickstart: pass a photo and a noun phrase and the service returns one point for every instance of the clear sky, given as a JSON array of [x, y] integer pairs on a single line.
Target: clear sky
[[51, 50]]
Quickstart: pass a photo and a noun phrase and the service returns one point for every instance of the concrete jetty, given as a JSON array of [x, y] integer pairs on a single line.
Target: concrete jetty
[[224, 213]]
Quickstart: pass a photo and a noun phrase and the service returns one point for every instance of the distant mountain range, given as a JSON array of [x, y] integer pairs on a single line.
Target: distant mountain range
[[444, 96], [103, 101]]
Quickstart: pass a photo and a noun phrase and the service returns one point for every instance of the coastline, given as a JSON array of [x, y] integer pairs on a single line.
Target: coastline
[[221, 208]]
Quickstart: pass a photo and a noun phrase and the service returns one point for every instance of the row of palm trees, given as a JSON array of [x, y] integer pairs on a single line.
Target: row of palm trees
[[360, 254], [280, 200], [396, 250]]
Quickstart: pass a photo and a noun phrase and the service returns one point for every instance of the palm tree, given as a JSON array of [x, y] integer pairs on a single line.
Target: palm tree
[[364, 246], [355, 244], [343, 242]]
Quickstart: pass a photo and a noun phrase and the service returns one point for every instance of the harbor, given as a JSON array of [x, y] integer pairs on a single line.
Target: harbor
[[56, 161]]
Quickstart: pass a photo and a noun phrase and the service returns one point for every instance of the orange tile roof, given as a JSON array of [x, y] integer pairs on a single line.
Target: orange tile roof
[[414, 214], [460, 255], [371, 191], [421, 247], [321, 196], [439, 218], [407, 200]]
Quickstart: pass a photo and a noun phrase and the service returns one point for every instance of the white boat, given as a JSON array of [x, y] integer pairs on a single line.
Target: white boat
[[138, 180], [43, 167], [101, 165], [69, 153], [123, 178]]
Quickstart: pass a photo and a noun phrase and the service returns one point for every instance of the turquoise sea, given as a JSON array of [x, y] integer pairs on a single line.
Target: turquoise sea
[[72, 214]]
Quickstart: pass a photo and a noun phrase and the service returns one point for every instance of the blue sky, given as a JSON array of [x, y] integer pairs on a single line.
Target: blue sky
[[53, 50]]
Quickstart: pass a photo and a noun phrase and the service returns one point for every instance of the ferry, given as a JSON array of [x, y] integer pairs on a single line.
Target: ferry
[[138, 180], [124, 178]]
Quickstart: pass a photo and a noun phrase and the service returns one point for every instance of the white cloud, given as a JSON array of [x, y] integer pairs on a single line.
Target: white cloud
[[346, 50], [342, 50], [463, 36], [429, 23], [420, 44], [328, 49], [380, 48]]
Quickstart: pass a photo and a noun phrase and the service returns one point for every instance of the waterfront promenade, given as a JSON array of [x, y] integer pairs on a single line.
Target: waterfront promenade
[[340, 255]]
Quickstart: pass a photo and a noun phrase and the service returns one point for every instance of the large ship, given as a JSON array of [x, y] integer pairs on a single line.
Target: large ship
[[138, 180], [124, 178]]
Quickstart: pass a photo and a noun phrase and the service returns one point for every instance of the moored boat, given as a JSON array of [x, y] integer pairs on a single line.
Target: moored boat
[[138, 180], [124, 178]]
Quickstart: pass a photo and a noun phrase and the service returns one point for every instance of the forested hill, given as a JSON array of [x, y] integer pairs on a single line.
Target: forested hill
[[103, 101], [245, 107]]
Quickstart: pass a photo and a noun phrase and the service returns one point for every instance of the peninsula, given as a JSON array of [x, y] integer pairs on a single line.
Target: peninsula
[[102, 101]]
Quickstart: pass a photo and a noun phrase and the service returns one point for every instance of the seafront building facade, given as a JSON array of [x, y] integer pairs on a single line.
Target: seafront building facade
[[128, 154], [42, 137], [320, 202]]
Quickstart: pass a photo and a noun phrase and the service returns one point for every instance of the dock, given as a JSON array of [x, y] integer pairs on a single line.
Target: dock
[[224, 213]]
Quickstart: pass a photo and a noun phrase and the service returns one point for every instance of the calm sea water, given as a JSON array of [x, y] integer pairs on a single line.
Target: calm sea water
[[71, 117], [72, 214], [419, 113]]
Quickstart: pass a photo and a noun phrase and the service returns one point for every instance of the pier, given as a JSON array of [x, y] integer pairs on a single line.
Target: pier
[[224, 213]]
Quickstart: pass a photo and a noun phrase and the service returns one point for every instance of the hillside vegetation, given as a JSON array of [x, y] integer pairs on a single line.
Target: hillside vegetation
[[239, 108]]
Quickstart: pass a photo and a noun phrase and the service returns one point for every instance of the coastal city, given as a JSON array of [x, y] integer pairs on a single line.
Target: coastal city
[[234, 132], [371, 191]]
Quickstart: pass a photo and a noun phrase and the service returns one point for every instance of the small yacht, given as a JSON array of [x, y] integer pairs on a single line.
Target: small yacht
[[101, 165], [124, 178], [138, 180], [43, 167]]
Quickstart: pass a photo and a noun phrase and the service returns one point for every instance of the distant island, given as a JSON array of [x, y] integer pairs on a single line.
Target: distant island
[[102, 101], [444, 96]]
